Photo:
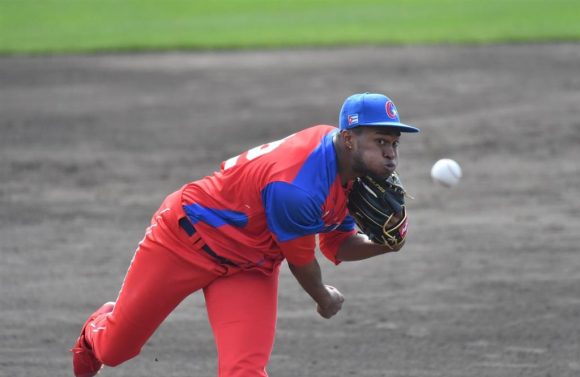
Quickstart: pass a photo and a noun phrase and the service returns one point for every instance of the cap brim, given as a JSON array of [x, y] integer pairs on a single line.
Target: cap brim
[[394, 126]]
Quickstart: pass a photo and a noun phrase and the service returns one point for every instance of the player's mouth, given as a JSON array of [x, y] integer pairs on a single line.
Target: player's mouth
[[390, 166], [388, 169]]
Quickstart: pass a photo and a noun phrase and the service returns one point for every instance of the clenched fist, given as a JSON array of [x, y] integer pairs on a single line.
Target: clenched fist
[[331, 304]]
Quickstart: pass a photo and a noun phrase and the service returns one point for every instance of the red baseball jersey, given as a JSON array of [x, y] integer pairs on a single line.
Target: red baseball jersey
[[271, 201]]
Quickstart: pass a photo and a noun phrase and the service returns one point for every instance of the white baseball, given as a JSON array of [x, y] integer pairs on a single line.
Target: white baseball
[[447, 172]]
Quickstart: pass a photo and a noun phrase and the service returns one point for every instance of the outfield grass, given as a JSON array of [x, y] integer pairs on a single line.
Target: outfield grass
[[32, 26]]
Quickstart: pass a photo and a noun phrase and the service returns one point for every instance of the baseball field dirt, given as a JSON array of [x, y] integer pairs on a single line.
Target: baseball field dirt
[[489, 281]]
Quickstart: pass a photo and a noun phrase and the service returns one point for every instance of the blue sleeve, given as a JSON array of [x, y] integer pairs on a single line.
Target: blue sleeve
[[291, 212]]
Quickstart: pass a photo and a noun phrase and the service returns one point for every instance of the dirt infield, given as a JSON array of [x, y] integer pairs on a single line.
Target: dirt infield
[[487, 285]]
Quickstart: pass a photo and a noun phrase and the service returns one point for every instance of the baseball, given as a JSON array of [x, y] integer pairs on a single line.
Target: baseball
[[446, 172]]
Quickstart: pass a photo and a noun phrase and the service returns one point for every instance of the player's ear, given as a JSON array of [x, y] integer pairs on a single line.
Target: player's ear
[[346, 136]]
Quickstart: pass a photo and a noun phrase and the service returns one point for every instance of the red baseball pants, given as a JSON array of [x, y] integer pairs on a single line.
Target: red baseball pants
[[166, 268]]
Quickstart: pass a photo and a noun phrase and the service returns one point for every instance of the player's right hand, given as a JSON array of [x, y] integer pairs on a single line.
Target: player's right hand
[[331, 304]]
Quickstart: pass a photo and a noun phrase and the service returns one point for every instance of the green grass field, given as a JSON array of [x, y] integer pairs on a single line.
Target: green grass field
[[40, 26]]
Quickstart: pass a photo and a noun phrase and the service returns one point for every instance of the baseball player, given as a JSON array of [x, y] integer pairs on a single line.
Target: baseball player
[[228, 233]]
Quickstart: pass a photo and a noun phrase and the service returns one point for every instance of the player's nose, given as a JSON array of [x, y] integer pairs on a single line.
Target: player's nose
[[389, 152]]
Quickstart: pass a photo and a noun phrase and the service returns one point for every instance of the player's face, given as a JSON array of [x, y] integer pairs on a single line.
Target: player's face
[[375, 152]]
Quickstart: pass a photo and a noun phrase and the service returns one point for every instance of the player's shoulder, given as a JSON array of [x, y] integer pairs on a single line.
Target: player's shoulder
[[297, 150]]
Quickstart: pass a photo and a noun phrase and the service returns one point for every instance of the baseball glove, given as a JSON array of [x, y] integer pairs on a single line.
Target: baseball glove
[[378, 208]]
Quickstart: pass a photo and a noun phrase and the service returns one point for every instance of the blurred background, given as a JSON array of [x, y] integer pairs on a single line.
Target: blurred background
[[49, 26], [107, 106]]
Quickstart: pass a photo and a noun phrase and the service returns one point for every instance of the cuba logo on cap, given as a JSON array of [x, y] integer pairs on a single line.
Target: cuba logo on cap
[[352, 119], [391, 110]]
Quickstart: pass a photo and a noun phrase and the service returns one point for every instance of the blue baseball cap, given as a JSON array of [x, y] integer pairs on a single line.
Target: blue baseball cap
[[371, 109]]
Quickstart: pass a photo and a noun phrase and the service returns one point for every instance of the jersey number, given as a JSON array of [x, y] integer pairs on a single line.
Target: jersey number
[[255, 152]]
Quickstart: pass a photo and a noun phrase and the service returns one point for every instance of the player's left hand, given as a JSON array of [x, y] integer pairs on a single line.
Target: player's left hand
[[378, 208]]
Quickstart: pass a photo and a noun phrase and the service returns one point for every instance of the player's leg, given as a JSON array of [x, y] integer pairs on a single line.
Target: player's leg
[[156, 282], [242, 310]]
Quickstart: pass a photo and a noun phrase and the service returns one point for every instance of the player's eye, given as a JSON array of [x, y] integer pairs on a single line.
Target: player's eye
[[381, 141]]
